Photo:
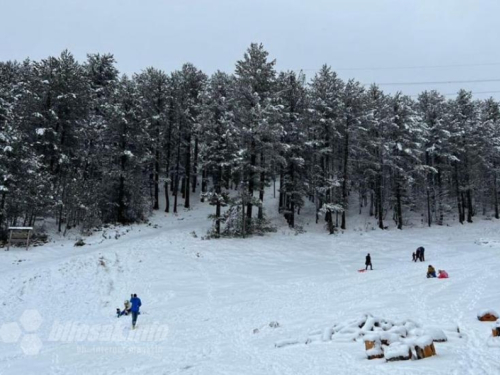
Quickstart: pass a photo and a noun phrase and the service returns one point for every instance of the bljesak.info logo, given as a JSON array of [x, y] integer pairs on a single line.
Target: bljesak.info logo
[[26, 334]]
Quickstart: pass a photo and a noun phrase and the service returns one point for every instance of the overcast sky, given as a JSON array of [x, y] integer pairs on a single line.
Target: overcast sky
[[362, 35]]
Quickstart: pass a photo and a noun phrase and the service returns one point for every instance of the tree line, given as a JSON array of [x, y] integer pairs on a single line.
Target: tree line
[[85, 145]]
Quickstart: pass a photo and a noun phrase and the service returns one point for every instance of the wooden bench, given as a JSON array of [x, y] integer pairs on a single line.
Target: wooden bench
[[20, 235]]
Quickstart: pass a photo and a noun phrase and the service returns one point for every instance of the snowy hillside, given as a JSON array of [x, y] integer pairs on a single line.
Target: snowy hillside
[[230, 306]]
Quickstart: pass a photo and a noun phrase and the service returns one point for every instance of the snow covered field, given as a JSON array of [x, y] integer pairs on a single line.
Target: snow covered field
[[218, 298]]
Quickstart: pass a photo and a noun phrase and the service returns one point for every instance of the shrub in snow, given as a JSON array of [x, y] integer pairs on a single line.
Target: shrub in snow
[[397, 352], [80, 242], [375, 353], [487, 315], [436, 334], [274, 324]]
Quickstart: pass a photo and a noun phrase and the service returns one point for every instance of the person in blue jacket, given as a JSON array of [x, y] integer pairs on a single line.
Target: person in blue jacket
[[136, 304]]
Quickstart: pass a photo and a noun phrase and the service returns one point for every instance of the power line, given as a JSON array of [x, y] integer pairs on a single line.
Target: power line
[[407, 67], [472, 92], [438, 82]]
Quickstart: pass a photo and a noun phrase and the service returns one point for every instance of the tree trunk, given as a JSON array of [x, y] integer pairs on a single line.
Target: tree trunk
[[195, 164], [495, 194], [440, 199], [156, 205], [167, 198], [188, 170], [399, 209], [429, 216], [243, 217], [464, 205], [183, 187], [2, 208], [204, 177], [262, 186], [470, 209], [218, 190], [344, 182], [379, 203], [291, 222], [251, 182], [457, 191], [371, 203], [281, 193], [177, 169]]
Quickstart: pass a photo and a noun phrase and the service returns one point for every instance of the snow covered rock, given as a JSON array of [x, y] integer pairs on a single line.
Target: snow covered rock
[[487, 315], [397, 352]]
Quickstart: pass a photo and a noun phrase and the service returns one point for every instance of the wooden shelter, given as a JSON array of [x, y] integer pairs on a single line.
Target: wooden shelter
[[20, 235]]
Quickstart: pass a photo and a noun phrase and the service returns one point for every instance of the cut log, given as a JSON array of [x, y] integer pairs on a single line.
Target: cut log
[[371, 341], [424, 347], [397, 352], [375, 353], [487, 316]]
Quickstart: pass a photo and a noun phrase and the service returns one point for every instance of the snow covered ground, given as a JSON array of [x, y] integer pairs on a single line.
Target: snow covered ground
[[217, 298]]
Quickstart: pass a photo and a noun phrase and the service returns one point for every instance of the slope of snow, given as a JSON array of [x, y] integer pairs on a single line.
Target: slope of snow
[[264, 305]]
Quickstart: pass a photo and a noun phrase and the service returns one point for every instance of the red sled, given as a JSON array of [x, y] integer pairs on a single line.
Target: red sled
[[362, 270]]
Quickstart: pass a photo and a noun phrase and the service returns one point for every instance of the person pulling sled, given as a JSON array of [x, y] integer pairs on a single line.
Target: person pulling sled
[[368, 262]]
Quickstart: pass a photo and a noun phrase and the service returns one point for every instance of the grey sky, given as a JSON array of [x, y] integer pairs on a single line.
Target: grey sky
[[299, 34]]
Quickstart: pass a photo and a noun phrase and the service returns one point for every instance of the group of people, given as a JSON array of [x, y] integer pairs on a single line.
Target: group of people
[[130, 307], [431, 272], [419, 254]]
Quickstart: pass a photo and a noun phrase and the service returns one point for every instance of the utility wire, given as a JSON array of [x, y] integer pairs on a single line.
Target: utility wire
[[437, 82], [405, 67], [472, 92]]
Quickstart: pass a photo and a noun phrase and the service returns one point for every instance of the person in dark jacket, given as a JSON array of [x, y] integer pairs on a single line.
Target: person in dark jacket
[[368, 261], [417, 255], [422, 252], [414, 257], [134, 309]]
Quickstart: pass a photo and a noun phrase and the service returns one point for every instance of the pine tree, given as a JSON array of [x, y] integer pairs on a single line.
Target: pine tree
[[254, 113], [219, 139]]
